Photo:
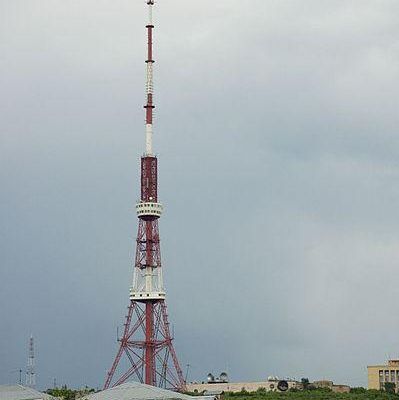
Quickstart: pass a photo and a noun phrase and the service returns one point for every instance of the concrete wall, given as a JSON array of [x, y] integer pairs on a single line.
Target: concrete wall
[[236, 387], [341, 388], [330, 385]]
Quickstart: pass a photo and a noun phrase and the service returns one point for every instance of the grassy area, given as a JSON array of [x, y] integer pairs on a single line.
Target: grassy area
[[318, 394]]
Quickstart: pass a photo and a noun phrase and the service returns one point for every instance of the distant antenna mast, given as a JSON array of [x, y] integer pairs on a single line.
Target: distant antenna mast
[[30, 369]]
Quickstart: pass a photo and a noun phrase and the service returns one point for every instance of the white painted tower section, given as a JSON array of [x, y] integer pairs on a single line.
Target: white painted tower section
[[148, 140]]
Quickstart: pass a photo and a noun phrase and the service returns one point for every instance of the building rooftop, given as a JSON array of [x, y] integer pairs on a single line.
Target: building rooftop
[[390, 363], [138, 391], [19, 392]]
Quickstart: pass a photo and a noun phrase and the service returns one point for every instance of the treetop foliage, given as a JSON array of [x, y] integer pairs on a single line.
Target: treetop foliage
[[315, 394]]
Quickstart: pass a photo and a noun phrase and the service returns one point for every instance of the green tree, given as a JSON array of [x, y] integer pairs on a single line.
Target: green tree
[[358, 390], [389, 387], [305, 383], [63, 392], [69, 394]]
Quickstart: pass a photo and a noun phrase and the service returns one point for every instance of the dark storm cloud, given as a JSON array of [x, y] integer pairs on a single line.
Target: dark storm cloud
[[276, 129]]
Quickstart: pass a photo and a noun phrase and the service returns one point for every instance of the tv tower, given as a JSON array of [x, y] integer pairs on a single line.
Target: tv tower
[[146, 344], [30, 368]]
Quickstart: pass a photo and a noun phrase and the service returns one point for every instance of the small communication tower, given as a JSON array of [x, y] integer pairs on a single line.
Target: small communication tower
[[30, 368]]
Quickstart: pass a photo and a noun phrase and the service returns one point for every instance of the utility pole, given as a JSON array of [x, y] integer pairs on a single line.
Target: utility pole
[[188, 367]]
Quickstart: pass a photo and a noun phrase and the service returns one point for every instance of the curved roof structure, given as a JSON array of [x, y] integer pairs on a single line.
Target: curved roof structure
[[19, 392], [138, 391]]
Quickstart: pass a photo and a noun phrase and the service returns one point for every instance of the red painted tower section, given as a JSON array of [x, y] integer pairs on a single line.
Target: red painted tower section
[[146, 351]]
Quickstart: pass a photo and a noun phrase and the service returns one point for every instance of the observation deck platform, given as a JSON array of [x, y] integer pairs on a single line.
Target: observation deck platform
[[143, 296], [149, 209]]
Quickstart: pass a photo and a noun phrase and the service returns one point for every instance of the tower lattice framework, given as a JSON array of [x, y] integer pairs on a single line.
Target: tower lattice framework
[[30, 368], [146, 346]]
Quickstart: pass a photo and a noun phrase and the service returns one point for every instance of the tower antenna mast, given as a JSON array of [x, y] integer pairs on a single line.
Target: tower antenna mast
[[147, 343], [150, 81], [30, 369]]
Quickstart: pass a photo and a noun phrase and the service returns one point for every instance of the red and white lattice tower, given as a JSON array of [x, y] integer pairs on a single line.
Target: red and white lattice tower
[[146, 350]]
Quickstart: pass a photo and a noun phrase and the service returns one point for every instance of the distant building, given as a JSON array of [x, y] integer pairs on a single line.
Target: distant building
[[272, 384], [276, 385], [331, 386], [19, 392], [223, 378], [378, 375]]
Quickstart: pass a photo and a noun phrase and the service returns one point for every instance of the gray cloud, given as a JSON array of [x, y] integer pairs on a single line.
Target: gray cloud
[[276, 131]]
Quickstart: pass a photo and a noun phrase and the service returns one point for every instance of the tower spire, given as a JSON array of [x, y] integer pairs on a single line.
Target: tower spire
[[150, 81], [147, 342]]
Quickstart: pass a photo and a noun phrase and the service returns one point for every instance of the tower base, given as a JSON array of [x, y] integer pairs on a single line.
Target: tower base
[[153, 360]]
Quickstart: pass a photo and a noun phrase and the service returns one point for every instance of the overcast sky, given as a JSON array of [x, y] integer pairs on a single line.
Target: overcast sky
[[277, 135]]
